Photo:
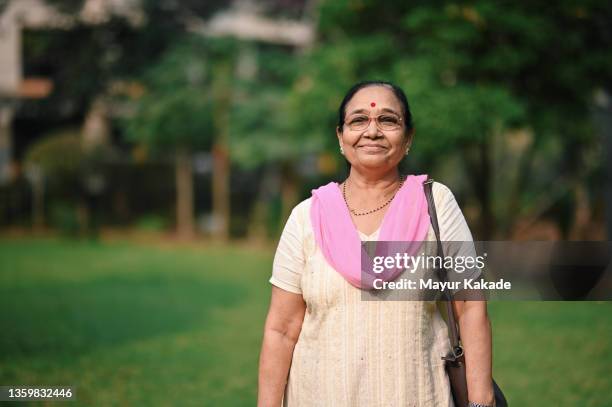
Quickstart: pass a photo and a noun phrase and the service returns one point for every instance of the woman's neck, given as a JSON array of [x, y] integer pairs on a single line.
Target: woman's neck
[[363, 193], [373, 184]]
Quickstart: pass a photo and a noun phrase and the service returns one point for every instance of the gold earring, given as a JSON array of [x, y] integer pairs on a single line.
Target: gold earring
[[407, 150], [341, 150]]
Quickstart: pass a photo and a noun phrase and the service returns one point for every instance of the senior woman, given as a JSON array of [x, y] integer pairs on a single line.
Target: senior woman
[[323, 345]]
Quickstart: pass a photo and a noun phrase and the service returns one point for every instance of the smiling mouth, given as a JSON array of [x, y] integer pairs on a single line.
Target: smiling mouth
[[372, 147]]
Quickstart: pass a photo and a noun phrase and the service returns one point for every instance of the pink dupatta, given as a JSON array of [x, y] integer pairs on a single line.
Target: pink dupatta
[[406, 220]]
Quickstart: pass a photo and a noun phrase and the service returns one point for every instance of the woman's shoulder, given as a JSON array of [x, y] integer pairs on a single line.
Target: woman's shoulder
[[453, 226], [304, 205], [441, 192], [301, 211]]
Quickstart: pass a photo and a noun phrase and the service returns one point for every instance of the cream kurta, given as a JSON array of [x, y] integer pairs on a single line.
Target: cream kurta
[[352, 352]]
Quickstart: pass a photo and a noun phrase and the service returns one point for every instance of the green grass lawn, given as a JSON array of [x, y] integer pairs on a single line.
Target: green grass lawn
[[136, 325]]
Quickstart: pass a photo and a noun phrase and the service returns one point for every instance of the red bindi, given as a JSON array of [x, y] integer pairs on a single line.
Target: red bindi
[[372, 104]]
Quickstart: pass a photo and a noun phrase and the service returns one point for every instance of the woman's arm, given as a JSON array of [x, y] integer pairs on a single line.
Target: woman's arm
[[281, 332], [475, 329]]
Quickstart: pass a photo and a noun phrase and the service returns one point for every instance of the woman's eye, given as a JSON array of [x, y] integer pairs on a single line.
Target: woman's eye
[[358, 120], [389, 120]]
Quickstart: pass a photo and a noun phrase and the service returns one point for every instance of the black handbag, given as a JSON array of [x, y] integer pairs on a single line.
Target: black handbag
[[455, 359]]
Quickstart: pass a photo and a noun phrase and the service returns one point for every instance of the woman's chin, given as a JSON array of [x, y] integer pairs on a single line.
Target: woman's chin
[[375, 161]]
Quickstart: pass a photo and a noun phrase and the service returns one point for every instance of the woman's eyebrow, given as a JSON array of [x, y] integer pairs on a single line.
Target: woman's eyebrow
[[366, 111], [386, 109], [359, 111]]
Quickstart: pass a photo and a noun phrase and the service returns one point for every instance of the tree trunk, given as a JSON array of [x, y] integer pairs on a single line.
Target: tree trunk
[[478, 162], [579, 229], [222, 95], [38, 203], [289, 190], [518, 187], [259, 216], [484, 194], [184, 195], [221, 192], [6, 144], [602, 117], [256, 231]]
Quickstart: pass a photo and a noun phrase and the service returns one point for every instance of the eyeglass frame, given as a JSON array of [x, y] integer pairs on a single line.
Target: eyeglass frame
[[400, 118]]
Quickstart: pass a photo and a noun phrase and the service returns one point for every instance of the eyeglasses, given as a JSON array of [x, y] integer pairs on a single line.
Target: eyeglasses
[[384, 121]]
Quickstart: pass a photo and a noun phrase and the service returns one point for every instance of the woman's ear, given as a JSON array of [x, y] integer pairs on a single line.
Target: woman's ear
[[410, 137]]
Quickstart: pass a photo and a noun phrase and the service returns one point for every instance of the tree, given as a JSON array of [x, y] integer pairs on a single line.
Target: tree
[[473, 72], [88, 57], [175, 114], [263, 124]]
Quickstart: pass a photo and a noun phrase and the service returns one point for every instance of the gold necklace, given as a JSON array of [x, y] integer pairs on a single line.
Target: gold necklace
[[402, 179]]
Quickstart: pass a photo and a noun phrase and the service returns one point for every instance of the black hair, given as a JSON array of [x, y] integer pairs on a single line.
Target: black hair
[[397, 91]]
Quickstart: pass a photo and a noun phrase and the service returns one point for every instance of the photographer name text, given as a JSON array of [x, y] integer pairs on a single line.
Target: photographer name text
[[433, 284]]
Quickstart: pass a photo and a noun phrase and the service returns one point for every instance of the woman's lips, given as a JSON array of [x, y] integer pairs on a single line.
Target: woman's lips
[[372, 147]]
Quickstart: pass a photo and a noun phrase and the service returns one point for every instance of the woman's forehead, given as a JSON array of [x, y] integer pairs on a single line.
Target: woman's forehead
[[374, 97]]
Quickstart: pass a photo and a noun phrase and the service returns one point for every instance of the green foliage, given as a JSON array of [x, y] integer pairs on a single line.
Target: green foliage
[[176, 109], [64, 161], [261, 115], [152, 223], [58, 155], [63, 217], [326, 75], [472, 72], [545, 60], [447, 113]]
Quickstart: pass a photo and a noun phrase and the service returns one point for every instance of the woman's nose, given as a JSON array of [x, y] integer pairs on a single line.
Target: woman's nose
[[372, 130]]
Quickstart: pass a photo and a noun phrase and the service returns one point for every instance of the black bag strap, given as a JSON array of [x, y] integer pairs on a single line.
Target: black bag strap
[[451, 322]]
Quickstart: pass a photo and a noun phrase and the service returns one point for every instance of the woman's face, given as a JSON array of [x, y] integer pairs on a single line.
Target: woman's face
[[373, 148]]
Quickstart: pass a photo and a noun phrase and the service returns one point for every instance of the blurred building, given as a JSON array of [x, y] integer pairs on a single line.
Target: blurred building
[[243, 19], [285, 23], [19, 15]]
